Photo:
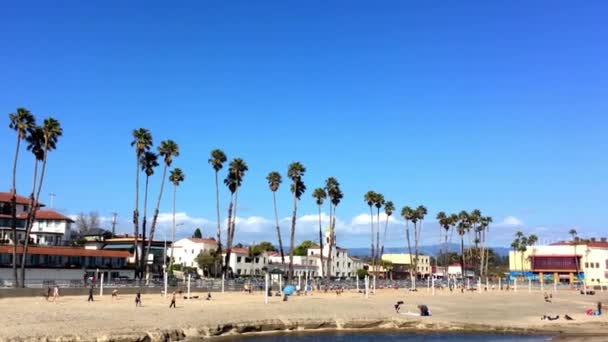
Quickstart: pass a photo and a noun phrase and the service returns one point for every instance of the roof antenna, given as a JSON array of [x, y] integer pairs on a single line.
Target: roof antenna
[[52, 194]]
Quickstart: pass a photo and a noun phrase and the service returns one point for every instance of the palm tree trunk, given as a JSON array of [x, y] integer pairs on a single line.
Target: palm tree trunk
[[233, 224], [14, 213], [144, 256], [446, 265], [409, 249], [155, 218], [136, 216], [371, 220], [219, 226], [321, 243], [276, 219], [228, 240], [378, 243], [462, 259], [292, 238], [384, 237], [31, 217], [173, 228], [329, 248], [417, 230]]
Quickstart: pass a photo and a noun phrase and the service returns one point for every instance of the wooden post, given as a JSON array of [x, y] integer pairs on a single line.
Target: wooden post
[[189, 279], [366, 286], [101, 286], [266, 288], [222, 282]]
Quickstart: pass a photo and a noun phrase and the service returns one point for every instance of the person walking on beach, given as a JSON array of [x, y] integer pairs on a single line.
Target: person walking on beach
[[55, 293], [114, 294], [172, 305], [90, 299], [138, 299], [49, 291]]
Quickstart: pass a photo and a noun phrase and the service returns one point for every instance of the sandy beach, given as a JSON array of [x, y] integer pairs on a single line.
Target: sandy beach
[[72, 317]]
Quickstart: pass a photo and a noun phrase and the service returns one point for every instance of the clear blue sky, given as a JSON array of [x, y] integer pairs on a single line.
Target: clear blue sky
[[459, 105]]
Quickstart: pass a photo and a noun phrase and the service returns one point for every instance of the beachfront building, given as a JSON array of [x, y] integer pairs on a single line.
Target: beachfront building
[[242, 264], [303, 265], [68, 264], [187, 250], [50, 228], [564, 262], [401, 265], [126, 243], [342, 265]]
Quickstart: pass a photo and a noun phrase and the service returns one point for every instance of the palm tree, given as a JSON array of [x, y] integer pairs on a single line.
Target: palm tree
[[486, 221], [378, 202], [142, 140], [419, 216], [463, 227], [370, 199], [389, 207], [295, 172], [51, 131], [574, 234], [217, 160], [176, 176], [444, 224], [149, 160], [167, 149], [21, 121], [332, 187], [320, 195], [408, 214], [233, 181], [474, 218], [274, 181], [523, 247]]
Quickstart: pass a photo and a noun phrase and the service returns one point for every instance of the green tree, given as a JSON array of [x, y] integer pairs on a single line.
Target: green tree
[[167, 149], [217, 160], [295, 172], [361, 273], [320, 195], [266, 246], [142, 141], [149, 161], [21, 121], [274, 181], [197, 234], [51, 131], [176, 176], [208, 262], [302, 248], [233, 181]]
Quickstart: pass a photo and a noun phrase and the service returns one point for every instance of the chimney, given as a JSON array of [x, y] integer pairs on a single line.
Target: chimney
[[603, 239]]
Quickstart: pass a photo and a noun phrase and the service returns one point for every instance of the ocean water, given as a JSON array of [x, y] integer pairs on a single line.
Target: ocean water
[[388, 337]]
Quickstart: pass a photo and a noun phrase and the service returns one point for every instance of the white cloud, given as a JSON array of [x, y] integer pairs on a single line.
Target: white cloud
[[511, 221]]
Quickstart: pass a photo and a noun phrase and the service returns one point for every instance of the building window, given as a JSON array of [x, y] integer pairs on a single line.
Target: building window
[[586, 265], [597, 265], [257, 260], [238, 259], [193, 251]]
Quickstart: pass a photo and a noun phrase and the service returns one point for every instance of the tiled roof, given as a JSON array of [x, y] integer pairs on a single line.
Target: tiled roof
[[197, 240], [7, 196], [67, 251], [49, 215], [237, 250]]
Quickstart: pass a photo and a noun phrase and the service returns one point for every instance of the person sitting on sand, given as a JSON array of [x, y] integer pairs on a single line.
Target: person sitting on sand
[[547, 317], [424, 310], [548, 297], [208, 296], [114, 294], [138, 299]]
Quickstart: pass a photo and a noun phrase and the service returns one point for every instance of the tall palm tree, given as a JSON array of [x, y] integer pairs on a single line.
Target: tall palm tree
[[523, 247], [176, 176], [484, 226], [217, 160], [389, 207], [233, 181], [149, 161], [463, 227], [295, 172], [408, 214], [419, 216], [320, 195], [370, 199], [167, 149], [574, 234], [378, 203], [335, 195], [51, 131], [142, 141], [444, 224], [21, 121], [274, 181], [474, 218]]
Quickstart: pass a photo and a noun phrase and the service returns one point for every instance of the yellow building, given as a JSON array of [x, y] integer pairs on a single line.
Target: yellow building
[[402, 262]]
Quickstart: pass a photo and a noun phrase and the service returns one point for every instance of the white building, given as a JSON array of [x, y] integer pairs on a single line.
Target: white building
[[241, 264], [50, 227], [342, 265], [187, 250], [302, 265]]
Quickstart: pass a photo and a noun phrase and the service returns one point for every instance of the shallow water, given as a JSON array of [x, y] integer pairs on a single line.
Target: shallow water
[[389, 337]]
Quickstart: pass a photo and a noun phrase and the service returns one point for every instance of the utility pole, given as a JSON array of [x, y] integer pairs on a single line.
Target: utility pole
[[114, 223], [52, 194]]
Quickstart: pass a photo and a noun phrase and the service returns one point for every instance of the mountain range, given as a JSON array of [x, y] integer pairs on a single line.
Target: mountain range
[[432, 250]]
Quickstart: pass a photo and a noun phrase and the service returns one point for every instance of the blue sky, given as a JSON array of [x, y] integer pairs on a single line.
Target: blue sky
[[459, 105]]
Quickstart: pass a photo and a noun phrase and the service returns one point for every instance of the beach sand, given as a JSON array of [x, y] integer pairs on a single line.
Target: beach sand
[[74, 318]]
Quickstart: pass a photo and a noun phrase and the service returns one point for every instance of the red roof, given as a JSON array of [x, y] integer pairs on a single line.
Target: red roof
[[49, 215], [237, 250], [7, 197], [68, 251], [197, 240]]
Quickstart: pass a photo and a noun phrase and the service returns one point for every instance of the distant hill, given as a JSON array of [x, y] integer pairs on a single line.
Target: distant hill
[[432, 250]]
